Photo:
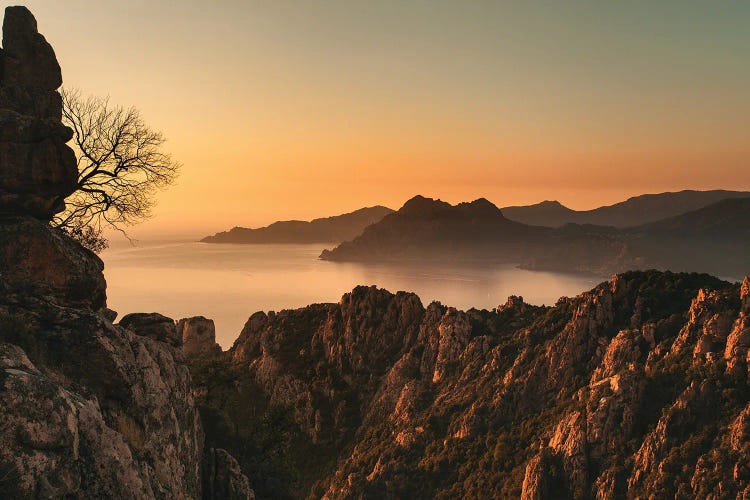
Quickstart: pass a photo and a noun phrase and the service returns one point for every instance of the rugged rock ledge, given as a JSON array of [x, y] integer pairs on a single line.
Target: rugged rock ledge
[[88, 408], [637, 388]]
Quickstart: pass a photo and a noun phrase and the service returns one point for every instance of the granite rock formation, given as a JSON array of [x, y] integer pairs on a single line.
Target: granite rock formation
[[198, 336], [88, 408], [636, 388]]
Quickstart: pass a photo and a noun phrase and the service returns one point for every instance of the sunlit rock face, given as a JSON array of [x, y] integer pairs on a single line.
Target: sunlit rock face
[[90, 409], [198, 336], [635, 388]]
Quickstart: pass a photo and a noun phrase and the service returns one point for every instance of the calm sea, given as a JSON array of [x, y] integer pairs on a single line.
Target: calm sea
[[227, 283]]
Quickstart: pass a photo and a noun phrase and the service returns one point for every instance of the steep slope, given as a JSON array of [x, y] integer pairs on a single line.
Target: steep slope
[[325, 230], [726, 219], [636, 388], [634, 211], [88, 408], [714, 239], [435, 230]]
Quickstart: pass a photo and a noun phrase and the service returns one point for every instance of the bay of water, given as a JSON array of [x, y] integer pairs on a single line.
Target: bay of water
[[228, 283]]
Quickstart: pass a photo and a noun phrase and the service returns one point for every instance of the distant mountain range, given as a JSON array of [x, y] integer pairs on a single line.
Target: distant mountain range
[[714, 238], [631, 212], [635, 211], [324, 230], [718, 234], [427, 229]]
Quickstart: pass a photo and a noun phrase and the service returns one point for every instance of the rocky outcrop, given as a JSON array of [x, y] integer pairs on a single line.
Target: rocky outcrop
[[37, 171], [123, 419], [737, 351], [44, 261], [153, 325], [602, 395], [198, 336], [88, 408], [38, 168]]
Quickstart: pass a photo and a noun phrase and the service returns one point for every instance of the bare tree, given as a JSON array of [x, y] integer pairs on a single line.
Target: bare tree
[[121, 165]]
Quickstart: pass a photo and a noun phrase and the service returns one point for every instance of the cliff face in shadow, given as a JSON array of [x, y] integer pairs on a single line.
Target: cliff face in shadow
[[713, 239], [638, 387], [88, 408], [325, 230]]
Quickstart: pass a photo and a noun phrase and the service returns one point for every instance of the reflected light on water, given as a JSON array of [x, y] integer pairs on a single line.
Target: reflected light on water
[[228, 283]]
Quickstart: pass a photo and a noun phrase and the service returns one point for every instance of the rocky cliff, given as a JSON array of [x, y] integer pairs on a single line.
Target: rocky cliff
[[88, 408], [637, 388]]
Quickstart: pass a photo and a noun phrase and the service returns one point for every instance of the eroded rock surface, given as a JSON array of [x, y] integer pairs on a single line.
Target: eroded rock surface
[[88, 409], [198, 336], [636, 388]]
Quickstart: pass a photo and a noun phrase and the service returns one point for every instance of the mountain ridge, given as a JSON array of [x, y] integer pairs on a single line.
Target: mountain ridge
[[479, 232], [636, 387], [471, 230], [634, 211], [332, 229]]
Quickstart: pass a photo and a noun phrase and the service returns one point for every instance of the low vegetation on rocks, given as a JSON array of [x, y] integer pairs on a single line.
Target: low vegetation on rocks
[[637, 387]]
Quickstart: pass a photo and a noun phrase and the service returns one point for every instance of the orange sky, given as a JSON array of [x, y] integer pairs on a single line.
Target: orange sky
[[311, 108]]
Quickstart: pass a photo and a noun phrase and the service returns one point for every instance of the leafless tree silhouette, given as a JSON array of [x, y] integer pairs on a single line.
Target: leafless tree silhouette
[[121, 165]]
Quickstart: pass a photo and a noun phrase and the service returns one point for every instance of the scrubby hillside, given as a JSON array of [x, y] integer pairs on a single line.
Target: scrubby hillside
[[638, 387]]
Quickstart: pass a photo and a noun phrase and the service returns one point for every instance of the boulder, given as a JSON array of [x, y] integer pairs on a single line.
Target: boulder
[[152, 325], [198, 336], [513, 306]]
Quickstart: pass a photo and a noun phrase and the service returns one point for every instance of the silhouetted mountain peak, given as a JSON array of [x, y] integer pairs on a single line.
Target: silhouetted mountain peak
[[481, 207], [420, 205], [551, 204]]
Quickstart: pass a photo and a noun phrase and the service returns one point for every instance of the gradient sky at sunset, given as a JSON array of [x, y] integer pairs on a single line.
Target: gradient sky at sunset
[[299, 109]]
